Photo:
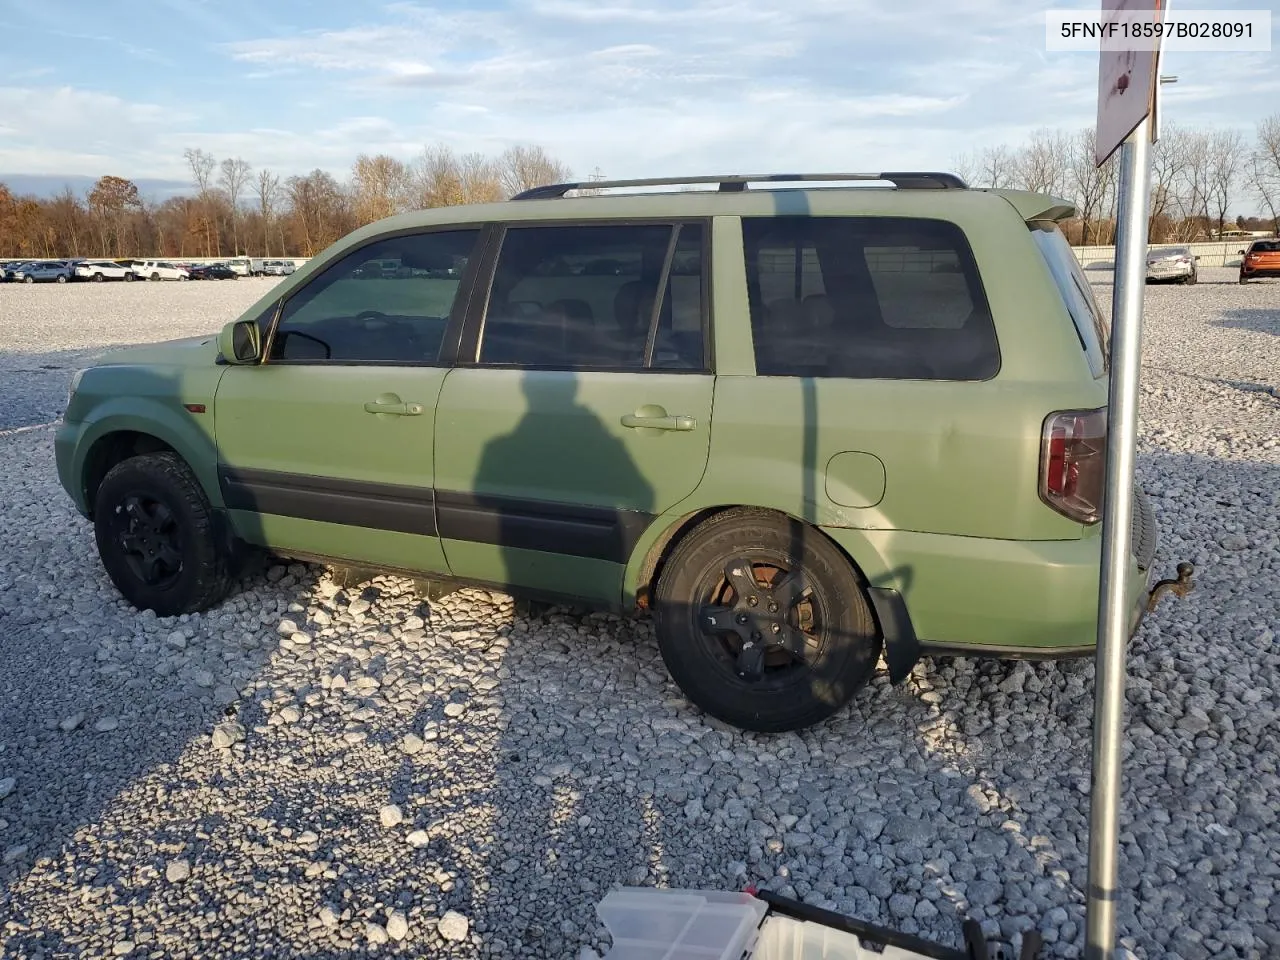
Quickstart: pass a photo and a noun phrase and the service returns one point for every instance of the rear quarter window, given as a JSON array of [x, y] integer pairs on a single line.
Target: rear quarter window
[[1077, 294]]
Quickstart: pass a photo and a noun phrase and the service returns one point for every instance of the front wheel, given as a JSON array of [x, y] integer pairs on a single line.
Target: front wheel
[[129, 278], [156, 537], [763, 623], [98, 278], [30, 280], [61, 278]]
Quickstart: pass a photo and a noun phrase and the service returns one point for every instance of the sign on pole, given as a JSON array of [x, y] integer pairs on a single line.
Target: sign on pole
[[1126, 95], [1127, 75]]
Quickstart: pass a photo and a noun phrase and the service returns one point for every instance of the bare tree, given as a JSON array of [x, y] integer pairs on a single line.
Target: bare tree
[[524, 167], [1041, 164], [1194, 184], [965, 166], [202, 165], [997, 167], [1226, 160], [1168, 156], [1264, 167], [1086, 181], [268, 191], [234, 175]]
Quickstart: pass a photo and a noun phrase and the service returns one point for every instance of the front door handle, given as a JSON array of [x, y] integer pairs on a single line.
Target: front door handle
[[391, 405], [660, 422]]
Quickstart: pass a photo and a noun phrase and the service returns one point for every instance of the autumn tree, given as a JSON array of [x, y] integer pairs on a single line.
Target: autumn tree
[[379, 187], [523, 167], [318, 211], [110, 201]]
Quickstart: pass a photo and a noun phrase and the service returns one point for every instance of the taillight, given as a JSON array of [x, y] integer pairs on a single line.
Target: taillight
[[1073, 458]]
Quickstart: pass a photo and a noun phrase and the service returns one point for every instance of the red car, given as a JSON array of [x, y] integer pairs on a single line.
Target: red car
[[1262, 259]]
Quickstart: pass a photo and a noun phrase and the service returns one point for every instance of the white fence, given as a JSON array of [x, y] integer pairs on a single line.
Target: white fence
[[1218, 253]]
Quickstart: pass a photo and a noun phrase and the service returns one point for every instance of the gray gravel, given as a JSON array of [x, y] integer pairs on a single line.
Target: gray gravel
[[314, 767]]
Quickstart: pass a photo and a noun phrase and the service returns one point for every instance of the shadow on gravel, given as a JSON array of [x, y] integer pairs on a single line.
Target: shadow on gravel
[[1259, 321], [33, 386], [540, 758]]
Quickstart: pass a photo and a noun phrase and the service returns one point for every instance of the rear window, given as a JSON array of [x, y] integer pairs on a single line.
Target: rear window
[[867, 298], [1266, 246], [1077, 294]]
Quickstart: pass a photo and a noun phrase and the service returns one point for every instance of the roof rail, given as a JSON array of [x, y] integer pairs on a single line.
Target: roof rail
[[910, 180]]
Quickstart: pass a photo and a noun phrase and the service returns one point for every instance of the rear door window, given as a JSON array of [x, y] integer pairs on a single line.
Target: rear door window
[[867, 298], [1077, 293]]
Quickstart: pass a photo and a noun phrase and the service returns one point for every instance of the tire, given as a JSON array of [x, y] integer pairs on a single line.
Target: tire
[[130, 277], [155, 276], [773, 692], [171, 561], [61, 278], [33, 280], [1243, 279], [98, 278]]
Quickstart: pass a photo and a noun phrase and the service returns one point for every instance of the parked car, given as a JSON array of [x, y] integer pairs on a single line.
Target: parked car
[[1260, 259], [9, 270], [277, 268], [100, 270], [213, 271], [1172, 263], [159, 270], [49, 271], [241, 265], [620, 438]]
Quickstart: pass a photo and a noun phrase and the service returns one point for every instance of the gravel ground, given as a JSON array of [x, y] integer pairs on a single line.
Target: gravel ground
[[319, 767]]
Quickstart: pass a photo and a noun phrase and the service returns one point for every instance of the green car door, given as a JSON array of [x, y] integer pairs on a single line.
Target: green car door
[[583, 408], [325, 447]]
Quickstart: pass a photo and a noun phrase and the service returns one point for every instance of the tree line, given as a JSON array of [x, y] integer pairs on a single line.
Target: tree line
[[235, 210], [1196, 176]]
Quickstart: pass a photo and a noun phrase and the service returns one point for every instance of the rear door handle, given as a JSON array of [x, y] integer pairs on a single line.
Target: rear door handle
[[659, 423]]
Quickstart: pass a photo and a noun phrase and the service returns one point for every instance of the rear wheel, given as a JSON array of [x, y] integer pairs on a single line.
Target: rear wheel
[[1243, 279], [155, 533], [762, 622], [129, 278], [155, 276], [62, 278]]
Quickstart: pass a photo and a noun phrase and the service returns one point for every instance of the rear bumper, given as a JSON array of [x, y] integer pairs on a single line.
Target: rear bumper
[[1259, 272], [1016, 599]]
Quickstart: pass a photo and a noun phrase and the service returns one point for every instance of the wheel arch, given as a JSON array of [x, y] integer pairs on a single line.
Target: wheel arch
[[112, 439], [875, 575]]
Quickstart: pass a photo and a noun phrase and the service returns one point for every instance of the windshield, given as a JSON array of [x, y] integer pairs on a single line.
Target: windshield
[[1077, 294]]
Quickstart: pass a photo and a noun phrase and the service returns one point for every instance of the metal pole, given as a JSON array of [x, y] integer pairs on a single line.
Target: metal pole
[[1117, 518]]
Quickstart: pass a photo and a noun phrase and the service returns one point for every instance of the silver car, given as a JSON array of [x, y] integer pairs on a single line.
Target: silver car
[[57, 271], [1171, 263]]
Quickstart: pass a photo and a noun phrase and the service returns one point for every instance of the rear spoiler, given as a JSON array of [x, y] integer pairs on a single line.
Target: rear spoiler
[[1041, 207]]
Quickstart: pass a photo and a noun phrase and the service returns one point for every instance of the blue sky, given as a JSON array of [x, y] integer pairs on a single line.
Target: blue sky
[[634, 88]]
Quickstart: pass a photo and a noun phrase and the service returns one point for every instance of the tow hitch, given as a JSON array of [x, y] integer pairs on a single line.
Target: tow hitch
[[1182, 585]]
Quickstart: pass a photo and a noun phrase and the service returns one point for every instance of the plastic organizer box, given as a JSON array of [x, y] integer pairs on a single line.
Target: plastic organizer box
[[648, 923]]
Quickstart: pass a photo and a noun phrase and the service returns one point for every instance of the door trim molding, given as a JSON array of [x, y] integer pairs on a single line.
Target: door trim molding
[[355, 503], [579, 530]]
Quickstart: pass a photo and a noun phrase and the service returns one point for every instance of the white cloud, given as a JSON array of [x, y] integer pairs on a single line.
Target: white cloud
[[637, 87]]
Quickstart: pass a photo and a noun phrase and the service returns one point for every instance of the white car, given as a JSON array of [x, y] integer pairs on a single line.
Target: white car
[[241, 266], [158, 270], [99, 270], [277, 268]]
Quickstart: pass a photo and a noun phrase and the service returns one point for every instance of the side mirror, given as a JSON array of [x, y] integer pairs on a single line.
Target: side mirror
[[240, 342], [1196, 258], [1240, 252]]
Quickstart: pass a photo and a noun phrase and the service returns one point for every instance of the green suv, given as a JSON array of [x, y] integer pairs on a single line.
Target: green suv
[[803, 425]]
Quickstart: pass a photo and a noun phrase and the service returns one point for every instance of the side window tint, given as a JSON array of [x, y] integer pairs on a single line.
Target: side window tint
[[867, 298], [584, 296], [351, 314]]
